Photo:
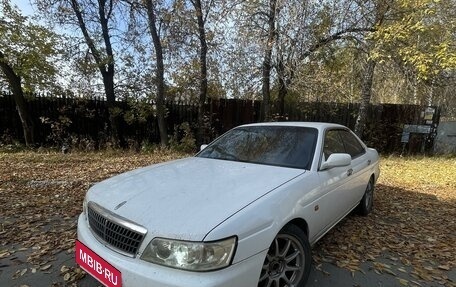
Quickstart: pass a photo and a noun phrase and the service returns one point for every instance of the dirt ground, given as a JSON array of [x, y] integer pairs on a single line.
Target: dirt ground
[[409, 239]]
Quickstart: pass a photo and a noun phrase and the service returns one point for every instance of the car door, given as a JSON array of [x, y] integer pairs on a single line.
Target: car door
[[360, 166], [335, 182]]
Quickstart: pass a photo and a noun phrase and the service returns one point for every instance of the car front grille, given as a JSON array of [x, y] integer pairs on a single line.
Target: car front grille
[[118, 233]]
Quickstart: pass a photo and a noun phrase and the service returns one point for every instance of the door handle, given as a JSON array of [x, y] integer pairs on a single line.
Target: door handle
[[349, 172]]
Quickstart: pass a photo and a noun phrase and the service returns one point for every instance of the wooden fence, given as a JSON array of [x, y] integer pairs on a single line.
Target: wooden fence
[[59, 118]]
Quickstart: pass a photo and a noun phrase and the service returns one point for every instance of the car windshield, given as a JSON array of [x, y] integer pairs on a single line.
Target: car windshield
[[272, 145]]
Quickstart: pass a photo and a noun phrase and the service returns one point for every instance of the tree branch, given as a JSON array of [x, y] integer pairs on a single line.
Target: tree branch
[[82, 25], [336, 36], [105, 31]]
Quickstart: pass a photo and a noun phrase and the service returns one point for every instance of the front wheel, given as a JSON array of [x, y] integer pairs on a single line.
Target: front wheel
[[288, 260]]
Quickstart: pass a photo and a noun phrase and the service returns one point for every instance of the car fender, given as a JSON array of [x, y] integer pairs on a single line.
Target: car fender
[[257, 224]]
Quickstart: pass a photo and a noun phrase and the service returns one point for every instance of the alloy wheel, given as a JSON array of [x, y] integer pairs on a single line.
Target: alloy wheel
[[284, 263]]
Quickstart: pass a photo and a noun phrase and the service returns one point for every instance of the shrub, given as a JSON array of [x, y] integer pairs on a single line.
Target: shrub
[[183, 139]]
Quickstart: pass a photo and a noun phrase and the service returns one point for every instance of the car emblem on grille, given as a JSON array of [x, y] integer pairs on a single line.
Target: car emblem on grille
[[120, 205]]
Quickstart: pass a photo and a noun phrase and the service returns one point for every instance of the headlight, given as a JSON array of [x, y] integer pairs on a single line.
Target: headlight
[[193, 256]]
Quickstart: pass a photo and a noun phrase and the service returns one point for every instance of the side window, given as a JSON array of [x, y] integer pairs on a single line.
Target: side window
[[352, 145], [333, 143]]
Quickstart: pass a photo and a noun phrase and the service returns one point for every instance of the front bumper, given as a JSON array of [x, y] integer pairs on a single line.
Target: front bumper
[[137, 272]]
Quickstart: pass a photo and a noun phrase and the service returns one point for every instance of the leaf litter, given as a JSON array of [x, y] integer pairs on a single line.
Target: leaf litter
[[41, 196], [412, 224]]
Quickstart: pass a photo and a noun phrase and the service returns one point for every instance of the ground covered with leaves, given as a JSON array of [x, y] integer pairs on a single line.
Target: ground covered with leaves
[[413, 225], [41, 196]]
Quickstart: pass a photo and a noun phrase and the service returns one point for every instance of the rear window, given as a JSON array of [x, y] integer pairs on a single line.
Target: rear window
[[342, 141], [352, 145]]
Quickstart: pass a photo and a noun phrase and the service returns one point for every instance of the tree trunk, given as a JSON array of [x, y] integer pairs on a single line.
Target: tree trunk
[[105, 63], [266, 89], [14, 82], [266, 69], [366, 89], [114, 120], [366, 94], [203, 70], [159, 73], [283, 90]]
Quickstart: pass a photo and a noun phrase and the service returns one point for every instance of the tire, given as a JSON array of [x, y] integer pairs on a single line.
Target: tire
[[367, 202], [288, 260]]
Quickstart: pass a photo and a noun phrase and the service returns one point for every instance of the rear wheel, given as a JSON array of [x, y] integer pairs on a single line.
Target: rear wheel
[[367, 202], [288, 260]]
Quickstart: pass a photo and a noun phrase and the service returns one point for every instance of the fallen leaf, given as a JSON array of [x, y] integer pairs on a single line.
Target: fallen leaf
[[4, 254], [46, 267], [403, 282]]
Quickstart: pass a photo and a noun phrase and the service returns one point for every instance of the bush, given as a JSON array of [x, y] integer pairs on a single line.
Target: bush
[[183, 139]]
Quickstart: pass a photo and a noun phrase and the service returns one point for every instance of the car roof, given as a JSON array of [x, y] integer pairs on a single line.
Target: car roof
[[316, 125]]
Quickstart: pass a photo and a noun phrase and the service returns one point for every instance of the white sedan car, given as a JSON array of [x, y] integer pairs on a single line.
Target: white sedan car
[[243, 212]]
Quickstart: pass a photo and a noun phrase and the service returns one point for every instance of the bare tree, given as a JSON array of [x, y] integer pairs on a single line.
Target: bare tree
[[93, 20], [267, 60], [289, 32], [203, 66], [159, 71]]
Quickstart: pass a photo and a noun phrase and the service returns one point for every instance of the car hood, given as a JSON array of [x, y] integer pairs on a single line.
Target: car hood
[[185, 199]]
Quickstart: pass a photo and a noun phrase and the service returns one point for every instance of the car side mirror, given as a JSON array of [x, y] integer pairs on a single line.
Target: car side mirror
[[203, 146], [336, 160]]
